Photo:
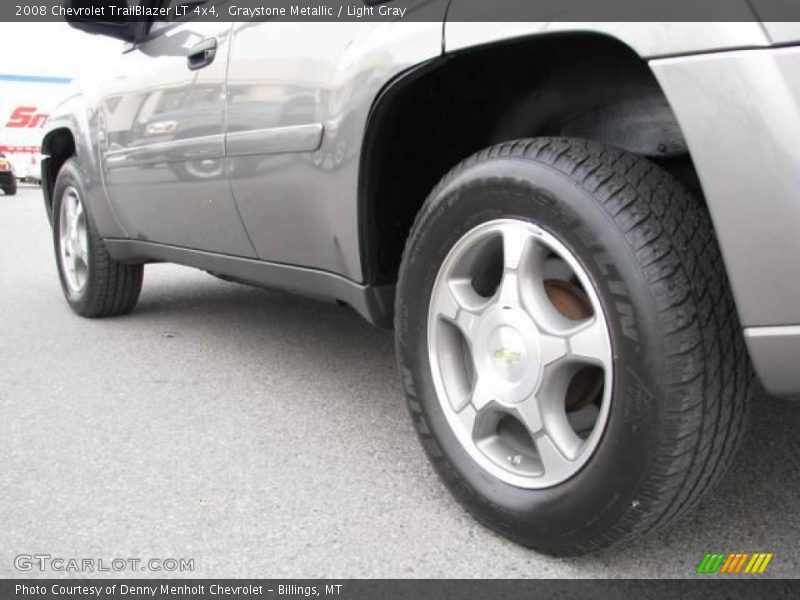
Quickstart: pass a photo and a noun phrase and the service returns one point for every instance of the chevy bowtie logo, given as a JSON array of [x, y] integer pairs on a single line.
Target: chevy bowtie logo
[[507, 356], [735, 563]]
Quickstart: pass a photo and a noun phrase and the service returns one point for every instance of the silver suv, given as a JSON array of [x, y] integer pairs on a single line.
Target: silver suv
[[584, 235]]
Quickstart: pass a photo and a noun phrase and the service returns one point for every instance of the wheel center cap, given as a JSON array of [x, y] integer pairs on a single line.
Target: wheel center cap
[[509, 354]]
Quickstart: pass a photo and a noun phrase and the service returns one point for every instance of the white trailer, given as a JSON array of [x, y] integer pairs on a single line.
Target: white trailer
[[25, 102]]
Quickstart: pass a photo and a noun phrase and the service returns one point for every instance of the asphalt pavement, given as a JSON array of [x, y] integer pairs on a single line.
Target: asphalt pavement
[[265, 435]]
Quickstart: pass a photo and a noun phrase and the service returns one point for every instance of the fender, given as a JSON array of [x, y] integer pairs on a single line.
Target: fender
[[648, 40], [73, 117]]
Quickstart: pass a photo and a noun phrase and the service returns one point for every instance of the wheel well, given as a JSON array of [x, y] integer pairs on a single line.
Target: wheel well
[[57, 146], [429, 119]]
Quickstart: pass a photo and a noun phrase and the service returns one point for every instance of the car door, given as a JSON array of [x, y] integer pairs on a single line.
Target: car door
[[299, 94], [164, 147]]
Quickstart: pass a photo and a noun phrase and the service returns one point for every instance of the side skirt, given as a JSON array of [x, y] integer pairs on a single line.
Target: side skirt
[[374, 303]]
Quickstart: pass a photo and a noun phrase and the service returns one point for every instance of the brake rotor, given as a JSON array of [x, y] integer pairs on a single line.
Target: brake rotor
[[570, 300]]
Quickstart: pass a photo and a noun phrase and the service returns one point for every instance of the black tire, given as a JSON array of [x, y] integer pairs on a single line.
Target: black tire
[[112, 288], [11, 191], [682, 375]]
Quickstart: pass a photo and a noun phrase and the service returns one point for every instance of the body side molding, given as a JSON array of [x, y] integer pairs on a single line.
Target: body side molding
[[275, 140], [198, 148]]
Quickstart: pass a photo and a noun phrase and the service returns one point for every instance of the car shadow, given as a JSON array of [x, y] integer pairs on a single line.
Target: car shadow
[[323, 337]]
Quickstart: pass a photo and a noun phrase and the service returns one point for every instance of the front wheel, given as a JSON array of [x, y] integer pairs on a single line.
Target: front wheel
[[94, 284], [568, 344]]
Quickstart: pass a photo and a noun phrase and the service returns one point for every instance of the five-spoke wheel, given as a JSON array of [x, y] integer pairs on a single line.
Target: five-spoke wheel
[[568, 349], [520, 353], [73, 243]]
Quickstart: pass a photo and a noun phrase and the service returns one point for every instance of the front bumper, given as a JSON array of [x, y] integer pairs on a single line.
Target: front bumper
[[775, 352], [740, 115]]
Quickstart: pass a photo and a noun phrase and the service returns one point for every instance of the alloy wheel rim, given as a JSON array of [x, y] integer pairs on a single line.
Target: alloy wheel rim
[[73, 241], [520, 353]]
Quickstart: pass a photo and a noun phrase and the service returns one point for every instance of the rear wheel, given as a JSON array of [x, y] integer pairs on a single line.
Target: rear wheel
[[94, 284], [568, 344]]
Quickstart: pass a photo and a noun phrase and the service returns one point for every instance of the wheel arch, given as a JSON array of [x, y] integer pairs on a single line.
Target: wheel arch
[[58, 146], [431, 117]]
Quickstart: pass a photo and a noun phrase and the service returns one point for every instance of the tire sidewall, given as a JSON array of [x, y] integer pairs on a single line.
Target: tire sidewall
[[605, 489]]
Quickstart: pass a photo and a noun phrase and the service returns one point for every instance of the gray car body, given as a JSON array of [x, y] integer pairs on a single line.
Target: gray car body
[[253, 167]]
